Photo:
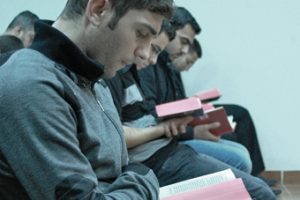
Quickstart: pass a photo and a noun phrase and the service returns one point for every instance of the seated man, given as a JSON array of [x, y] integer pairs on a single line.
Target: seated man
[[245, 132], [60, 133], [168, 90], [148, 142], [22, 26]]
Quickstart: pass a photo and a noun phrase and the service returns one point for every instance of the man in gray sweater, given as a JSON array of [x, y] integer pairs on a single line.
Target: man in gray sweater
[[60, 134]]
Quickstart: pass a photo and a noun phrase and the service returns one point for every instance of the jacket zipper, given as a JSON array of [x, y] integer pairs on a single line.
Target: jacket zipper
[[107, 115]]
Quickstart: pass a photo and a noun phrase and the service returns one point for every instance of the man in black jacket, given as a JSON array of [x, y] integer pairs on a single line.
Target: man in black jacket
[[245, 132]]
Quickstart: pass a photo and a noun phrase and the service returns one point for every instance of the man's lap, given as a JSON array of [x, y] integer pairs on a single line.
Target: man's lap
[[185, 164], [229, 152]]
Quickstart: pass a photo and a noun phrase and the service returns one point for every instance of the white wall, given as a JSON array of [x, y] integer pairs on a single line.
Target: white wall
[[45, 9], [250, 53]]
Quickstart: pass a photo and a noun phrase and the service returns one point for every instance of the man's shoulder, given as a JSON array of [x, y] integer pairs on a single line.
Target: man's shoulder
[[22, 59], [28, 55], [27, 69], [25, 62]]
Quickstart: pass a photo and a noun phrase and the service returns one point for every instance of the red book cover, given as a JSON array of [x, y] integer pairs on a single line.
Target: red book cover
[[209, 95], [215, 115], [178, 107]]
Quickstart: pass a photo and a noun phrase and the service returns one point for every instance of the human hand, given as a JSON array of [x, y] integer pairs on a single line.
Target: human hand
[[173, 127], [202, 132]]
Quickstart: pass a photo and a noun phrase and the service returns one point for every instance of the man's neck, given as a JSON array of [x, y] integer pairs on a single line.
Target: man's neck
[[73, 30]]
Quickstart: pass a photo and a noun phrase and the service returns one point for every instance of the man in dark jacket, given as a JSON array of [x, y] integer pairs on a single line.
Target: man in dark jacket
[[245, 132]]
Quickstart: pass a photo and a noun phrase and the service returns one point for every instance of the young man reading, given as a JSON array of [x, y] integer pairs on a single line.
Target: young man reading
[[245, 132], [60, 133]]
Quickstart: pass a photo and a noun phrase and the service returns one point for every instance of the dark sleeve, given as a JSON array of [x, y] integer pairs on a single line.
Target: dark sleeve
[[4, 57], [179, 85], [148, 83]]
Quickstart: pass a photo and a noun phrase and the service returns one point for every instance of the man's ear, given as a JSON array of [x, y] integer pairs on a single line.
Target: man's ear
[[18, 30], [95, 11]]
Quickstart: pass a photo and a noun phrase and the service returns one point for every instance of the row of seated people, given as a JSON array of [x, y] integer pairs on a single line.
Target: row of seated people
[[161, 146]]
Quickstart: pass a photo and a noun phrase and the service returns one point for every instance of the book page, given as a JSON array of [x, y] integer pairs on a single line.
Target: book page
[[229, 190], [196, 183], [231, 122]]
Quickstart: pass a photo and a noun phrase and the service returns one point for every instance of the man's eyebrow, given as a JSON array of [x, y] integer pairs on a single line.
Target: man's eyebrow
[[150, 28]]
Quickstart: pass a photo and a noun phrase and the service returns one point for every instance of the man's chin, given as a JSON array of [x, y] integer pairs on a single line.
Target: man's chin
[[108, 76], [174, 57], [123, 64], [139, 67], [112, 70]]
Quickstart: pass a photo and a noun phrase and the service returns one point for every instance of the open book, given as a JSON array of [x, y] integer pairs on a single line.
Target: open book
[[227, 125], [217, 186], [208, 95], [191, 106]]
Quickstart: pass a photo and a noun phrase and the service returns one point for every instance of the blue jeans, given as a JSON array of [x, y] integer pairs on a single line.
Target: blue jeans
[[231, 153], [184, 163]]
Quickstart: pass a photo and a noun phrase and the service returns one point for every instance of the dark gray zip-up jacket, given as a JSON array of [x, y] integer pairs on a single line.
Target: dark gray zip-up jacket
[[60, 135]]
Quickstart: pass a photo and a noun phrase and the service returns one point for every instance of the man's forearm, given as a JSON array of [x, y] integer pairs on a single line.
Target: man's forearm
[[138, 136]]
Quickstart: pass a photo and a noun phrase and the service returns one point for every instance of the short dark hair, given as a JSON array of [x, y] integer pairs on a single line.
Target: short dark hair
[[75, 8], [197, 48], [182, 17], [168, 29], [26, 19], [10, 43]]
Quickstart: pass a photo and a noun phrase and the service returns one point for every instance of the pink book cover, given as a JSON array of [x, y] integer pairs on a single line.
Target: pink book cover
[[229, 190], [209, 95], [207, 107], [216, 115], [180, 106]]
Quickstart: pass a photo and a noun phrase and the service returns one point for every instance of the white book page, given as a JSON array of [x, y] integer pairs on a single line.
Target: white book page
[[195, 183], [231, 122]]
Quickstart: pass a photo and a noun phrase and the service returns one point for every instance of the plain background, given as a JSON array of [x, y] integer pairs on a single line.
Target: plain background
[[250, 52]]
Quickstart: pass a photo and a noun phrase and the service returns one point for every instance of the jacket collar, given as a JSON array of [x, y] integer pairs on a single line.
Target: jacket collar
[[164, 60], [164, 57], [59, 48]]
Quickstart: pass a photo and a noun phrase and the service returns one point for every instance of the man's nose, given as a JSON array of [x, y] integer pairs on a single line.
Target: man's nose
[[185, 49], [153, 59], [144, 52]]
